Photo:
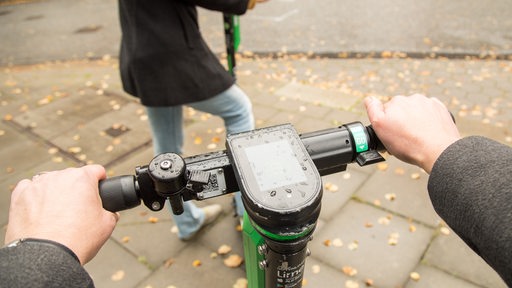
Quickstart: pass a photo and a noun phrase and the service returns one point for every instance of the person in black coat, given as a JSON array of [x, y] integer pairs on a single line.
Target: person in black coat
[[165, 62]]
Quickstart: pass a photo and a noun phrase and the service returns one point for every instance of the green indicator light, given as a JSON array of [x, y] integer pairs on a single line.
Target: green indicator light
[[360, 139]]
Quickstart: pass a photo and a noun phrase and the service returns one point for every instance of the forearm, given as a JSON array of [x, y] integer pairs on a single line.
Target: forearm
[[35, 263], [471, 189]]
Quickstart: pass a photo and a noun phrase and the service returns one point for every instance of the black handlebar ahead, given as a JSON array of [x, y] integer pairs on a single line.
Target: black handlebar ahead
[[210, 175]]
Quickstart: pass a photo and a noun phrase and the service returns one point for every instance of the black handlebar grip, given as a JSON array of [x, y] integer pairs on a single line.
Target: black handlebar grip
[[374, 139], [119, 193]]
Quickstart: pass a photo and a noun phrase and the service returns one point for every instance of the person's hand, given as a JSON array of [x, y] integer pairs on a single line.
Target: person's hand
[[62, 206], [415, 129]]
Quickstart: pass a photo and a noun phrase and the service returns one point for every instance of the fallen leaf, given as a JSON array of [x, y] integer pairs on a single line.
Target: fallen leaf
[[382, 166], [233, 261], [399, 171], [241, 283], [349, 271], [315, 269], [351, 284], [168, 263], [444, 230], [109, 148], [57, 159], [196, 263], [353, 246], [327, 242], [152, 219], [331, 187], [75, 150], [390, 196], [415, 176], [224, 249], [337, 242], [368, 282], [415, 276], [117, 276], [393, 239]]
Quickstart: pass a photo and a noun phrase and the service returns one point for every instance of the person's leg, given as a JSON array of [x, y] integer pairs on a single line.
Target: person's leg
[[167, 130], [235, 108]]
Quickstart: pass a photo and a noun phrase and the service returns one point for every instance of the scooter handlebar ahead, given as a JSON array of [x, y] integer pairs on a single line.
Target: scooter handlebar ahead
[[168, 176]]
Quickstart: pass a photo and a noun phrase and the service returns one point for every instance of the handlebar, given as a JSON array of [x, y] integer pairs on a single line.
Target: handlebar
[[212, 174]]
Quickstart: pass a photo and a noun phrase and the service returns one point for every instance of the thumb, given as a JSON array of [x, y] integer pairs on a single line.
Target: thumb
[[374, 108]]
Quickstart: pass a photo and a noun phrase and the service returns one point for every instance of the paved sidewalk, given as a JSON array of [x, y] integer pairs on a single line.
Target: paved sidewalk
[[377, 225]]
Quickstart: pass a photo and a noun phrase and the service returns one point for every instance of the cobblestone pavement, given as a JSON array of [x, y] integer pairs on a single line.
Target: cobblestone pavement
[[377, 225]]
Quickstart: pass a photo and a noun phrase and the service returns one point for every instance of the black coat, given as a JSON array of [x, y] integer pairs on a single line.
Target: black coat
[[164, 60]]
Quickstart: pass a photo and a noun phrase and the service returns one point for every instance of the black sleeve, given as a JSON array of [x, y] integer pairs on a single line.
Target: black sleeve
[[237, 7], [41, 263], [471, 189]]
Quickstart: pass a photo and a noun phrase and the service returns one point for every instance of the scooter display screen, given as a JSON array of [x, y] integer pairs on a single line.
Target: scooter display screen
[[273, 168]]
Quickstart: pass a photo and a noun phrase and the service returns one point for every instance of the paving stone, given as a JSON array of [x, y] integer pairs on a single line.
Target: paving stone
[[153, 242], [25, 155], [366, 248], [338, 189], [66, 114], [114, 268], [451, 254], [432, 277], [320, 274], [211, 273], [401, 188], [315, 95], [97, 145]]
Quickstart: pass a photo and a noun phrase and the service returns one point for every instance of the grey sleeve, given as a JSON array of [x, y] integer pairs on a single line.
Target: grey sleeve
[[471, 189], [41, 263]]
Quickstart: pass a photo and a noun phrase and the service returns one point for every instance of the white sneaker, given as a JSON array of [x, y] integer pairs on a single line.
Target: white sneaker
[[211, 212]]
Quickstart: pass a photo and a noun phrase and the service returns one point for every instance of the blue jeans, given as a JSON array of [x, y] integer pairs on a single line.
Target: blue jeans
[[233, 106]]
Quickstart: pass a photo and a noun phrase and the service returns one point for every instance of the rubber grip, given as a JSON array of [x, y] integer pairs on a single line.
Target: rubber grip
[[119, 193]]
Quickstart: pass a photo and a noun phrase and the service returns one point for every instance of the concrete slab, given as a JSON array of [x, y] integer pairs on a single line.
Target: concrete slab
[[432, 277], [314, 95], [113, 267], [94, 142], [366, 244], [68, 113], [338, 189], [449, 253], [400, 188], [320, 274], [181, 273]]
